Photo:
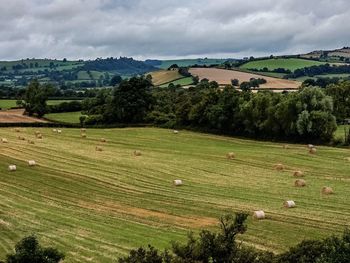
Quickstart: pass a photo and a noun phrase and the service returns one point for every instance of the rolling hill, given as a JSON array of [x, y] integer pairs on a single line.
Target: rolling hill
[[91, 73]]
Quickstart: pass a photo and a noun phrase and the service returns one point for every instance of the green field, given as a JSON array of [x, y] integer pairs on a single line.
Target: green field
[[67, 117], [183, 82], [189, 62], [7, 104], [286, 63], [97, 205]]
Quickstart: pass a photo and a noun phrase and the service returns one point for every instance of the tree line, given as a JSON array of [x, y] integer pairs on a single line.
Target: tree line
[[319, 70], [307, 114], [310, 114], [209, 246]]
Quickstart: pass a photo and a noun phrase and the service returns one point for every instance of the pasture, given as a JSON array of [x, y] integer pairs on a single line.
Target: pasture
[[66, 117], [183, 82], [7, 104], [224, 77], [286, 63], [96, 205]]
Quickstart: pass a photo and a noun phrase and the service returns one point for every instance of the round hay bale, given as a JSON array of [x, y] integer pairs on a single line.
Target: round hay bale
[[299, 183], [176, 132], [259, 215], [289, 204], [298, 174], [103, 140], [279, 167], [285, 146], [37, 133], [326, 190], [54, 130], [39, 136], [177, 182], [17, 130], [31, 142], [137, 153], [59, 131], [82, 130], [98, 148], [310, 146], [230, 156], [83, 135], [347, 159], [313, 151], [12, 168], [31, 163], [21, 138], [4, 140]]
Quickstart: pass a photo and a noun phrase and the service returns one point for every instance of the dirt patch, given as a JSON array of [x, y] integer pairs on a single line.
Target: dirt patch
[[224, 77], [182, 221], [16, 116]]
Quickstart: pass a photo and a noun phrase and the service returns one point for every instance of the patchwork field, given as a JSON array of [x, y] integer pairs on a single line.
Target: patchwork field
[[96, 205], [224, 77], [165, 76], [286, 63]]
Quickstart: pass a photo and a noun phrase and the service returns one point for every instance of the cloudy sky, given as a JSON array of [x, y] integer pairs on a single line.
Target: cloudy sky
[[170, 28]]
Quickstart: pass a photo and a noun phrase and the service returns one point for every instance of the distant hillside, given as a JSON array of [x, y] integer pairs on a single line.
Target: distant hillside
[[164, 64], [341, 54], [73, 74]]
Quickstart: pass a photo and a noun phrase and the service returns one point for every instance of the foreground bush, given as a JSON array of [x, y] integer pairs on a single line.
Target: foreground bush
[[28, 250]]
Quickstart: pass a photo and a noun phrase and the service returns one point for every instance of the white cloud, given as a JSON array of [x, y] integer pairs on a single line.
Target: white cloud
[[159, 28]]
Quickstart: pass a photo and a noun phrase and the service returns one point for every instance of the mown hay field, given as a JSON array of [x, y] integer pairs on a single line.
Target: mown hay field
[[96, 205]]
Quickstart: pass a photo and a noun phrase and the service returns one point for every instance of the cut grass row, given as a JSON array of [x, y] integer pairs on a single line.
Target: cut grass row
[[97, 205]]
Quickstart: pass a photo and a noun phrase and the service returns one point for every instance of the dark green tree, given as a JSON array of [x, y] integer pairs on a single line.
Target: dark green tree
[[35, 98], [131, 101], [28, 250], [116, 79]]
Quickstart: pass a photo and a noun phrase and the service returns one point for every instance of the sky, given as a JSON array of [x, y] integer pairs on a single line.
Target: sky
[[87, 29]]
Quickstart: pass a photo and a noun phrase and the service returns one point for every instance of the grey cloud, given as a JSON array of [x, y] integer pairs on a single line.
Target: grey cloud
[[158, 28]]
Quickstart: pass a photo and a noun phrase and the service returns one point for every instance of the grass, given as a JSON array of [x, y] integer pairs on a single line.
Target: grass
[[66, 117], [183, 82], [97, 205], [7, 104], [286, 63]]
